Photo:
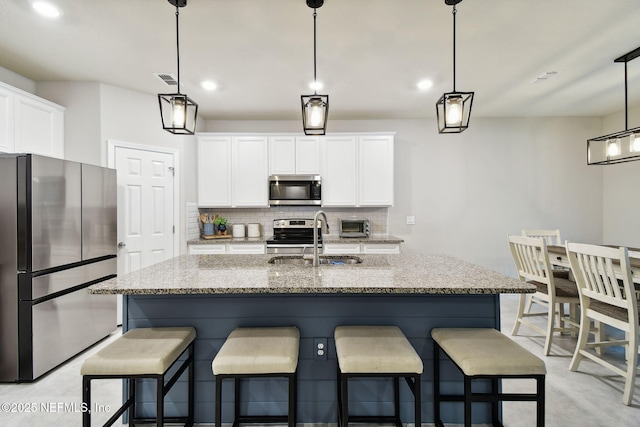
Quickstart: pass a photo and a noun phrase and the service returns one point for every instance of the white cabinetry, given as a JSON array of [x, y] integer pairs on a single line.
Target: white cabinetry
[[249, 172], [339, 171], [294, 155], [375, 170], [232, 171], [227, 248], [360, 248], [357, 170], [29, 124], [214, 171]]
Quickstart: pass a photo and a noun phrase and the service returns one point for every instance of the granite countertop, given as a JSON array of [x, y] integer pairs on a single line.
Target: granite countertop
[[374, 238], [329, 238], [229, 239], [252, 274]]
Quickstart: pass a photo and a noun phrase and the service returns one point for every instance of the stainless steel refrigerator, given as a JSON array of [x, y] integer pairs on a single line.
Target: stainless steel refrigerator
[[57, 237]]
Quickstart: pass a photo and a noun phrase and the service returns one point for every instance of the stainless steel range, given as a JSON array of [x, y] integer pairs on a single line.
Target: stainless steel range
[[293, 236]]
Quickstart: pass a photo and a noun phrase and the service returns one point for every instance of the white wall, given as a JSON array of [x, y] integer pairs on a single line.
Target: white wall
[[468, 191], [81, 118], [17, 80], [621, 196]]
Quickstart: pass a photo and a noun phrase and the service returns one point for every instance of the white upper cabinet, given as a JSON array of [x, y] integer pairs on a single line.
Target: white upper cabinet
[[294, 155], [232, 171], [282, 155], [375, 170], [29, 124], [339, 170], [307, 155], [249, 172], [357, 170], [214, 171], [6, 121]]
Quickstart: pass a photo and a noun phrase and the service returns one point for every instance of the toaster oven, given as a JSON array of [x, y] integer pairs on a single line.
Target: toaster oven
[[354, 227]]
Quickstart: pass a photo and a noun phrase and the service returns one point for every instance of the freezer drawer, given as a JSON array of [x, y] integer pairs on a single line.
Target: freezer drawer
[[66, 325], [48, 284]]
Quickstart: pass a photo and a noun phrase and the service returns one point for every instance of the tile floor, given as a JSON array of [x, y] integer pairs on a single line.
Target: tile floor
[[591, 397]]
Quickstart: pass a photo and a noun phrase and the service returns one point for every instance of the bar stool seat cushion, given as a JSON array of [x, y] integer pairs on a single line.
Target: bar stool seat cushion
[[264, 350], [375, 349], [140, 351], [480, 351]]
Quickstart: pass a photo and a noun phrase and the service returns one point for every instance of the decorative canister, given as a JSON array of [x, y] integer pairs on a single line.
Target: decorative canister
[[237, 230], [253, 230], [208, 229]]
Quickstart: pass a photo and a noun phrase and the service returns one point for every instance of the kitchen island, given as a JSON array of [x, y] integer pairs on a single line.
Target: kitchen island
[[216, 293]]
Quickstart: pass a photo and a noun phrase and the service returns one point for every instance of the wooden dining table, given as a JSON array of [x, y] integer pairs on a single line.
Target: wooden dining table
[[558, 257]]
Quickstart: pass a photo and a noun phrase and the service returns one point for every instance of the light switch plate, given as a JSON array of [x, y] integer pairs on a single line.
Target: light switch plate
[[411, 220]]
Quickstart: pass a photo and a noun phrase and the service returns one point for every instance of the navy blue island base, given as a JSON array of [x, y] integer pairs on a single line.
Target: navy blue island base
[[215, 316]]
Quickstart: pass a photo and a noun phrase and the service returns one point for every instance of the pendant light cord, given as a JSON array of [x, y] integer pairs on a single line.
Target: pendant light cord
[[315, 79], [626, 103], [454, 47], [178, 44]]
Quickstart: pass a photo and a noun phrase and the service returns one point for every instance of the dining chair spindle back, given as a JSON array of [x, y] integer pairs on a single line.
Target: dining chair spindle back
[[532, 263], [607, 295]]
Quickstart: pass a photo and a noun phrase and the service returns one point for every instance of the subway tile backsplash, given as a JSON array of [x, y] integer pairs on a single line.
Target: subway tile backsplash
[[264, 216]]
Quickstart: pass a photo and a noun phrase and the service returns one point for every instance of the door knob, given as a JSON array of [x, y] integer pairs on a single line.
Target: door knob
[[121, 245]]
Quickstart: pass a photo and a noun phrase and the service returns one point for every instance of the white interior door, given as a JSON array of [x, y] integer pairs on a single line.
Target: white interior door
[[145, 207]]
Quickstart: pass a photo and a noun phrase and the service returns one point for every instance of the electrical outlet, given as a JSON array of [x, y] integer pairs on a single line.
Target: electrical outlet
[[320, 349], [411, 220]]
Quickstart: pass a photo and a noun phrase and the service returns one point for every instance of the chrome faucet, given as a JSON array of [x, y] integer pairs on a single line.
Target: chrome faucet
[[325, 229]]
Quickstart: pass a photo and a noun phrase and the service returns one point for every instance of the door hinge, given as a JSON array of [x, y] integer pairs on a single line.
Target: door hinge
[[172, 170], [174, 229]]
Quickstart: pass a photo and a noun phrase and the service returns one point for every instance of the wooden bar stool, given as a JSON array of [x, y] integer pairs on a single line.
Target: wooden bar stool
[[142, 353], [485, 353], [254, 353], [376, 351]]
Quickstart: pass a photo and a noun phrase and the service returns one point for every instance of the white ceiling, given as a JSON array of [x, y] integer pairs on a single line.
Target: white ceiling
[[371, 53]]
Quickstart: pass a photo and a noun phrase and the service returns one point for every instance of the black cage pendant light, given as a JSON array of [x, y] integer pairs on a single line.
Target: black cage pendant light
[[315, 108], [177, 110], [454, 108], [619, 147]]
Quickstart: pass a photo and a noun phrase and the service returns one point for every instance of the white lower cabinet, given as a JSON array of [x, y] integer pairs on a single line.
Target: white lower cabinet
[[340, 248], [227, 248], [360, 248], [380, 248], [245, 248], [207, 249]]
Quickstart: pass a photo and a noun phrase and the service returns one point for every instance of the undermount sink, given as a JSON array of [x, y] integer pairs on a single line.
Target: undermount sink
[[324, 260]]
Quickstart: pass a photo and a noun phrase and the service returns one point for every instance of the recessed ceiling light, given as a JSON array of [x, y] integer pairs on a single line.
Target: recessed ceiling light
[[424, 84], [46, 9], [209, 85], [316, 85]]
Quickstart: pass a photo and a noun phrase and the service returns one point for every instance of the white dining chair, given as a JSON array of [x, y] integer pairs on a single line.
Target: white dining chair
[[532, 263], [607, 295], [551, 237]]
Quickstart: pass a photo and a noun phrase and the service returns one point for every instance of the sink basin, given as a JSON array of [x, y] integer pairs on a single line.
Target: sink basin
[[324, 260], [290, 260]]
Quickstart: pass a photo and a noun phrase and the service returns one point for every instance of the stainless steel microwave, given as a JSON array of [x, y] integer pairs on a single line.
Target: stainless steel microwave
[[295, 190]]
